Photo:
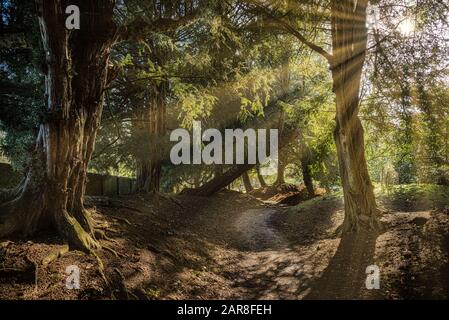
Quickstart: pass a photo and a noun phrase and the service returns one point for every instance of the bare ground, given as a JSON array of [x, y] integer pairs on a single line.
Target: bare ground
[[236, 246]]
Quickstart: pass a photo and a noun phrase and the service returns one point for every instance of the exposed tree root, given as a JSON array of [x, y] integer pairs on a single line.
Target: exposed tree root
[[120, 291], [115, 253], [361, 223], [77, 237], [122, 220], [101, 268], [52, 256], [28, 213], [105, 226], [101, 235], [17, 217]]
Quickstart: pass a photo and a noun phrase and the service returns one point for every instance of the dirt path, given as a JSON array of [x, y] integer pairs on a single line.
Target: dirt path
[[233, 246], [268, 266], [256, 231], [296, 255]]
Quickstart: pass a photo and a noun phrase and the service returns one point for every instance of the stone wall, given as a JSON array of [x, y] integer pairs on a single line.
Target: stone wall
[[97, 185]]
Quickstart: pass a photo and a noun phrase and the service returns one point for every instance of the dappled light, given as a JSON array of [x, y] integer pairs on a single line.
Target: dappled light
[[231, 150]]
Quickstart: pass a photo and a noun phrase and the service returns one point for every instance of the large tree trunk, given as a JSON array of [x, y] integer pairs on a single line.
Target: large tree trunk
[[349, 39], [307, 176], [52, 195], [262, 182], [247, 182], [148, 175], [284, 79], [305, 158], [151, 128], [281, 172]]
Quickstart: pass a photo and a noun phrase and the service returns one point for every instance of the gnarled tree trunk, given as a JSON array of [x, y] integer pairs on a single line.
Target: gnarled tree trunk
[[52, 195], [349, 39]]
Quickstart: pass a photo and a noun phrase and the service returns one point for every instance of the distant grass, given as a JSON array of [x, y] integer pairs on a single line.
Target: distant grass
[[314, 201], [410, 196], [420, 196]]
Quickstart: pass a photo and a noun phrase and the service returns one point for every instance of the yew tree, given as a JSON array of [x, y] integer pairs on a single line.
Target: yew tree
[[77, 70], [345, 21]]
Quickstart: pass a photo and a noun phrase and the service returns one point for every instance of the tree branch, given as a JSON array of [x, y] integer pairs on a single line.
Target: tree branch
[[285, 26], [301, 38], [140, 26]]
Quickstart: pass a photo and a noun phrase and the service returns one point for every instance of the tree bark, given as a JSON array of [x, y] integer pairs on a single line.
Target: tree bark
[[284, 79], [305, 159], [349, 39], [247, 182], [307, 177], [281, 171], [262, 182], [52, 195], [280, 174], [151, 128]]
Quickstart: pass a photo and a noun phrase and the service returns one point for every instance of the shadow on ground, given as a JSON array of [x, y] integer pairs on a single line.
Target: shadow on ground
[[345, 276]]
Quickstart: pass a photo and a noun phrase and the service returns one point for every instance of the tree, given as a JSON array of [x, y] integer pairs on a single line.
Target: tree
[[77, 68], [164, 78], [280, 179], [405, 65], [247, 182], [260, 177], [349, 43], [301, 90], [305, 167], [151, 124], [347, 20], [270, 119], [77, 72]]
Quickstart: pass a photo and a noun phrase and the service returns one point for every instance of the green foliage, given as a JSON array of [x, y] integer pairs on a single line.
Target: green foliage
[[404, 116], [420, 196], [21, 94], [194, 103], [254, 91], [226, 63]]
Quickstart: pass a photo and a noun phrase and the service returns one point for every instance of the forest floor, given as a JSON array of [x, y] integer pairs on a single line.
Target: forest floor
[[235, 246]]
